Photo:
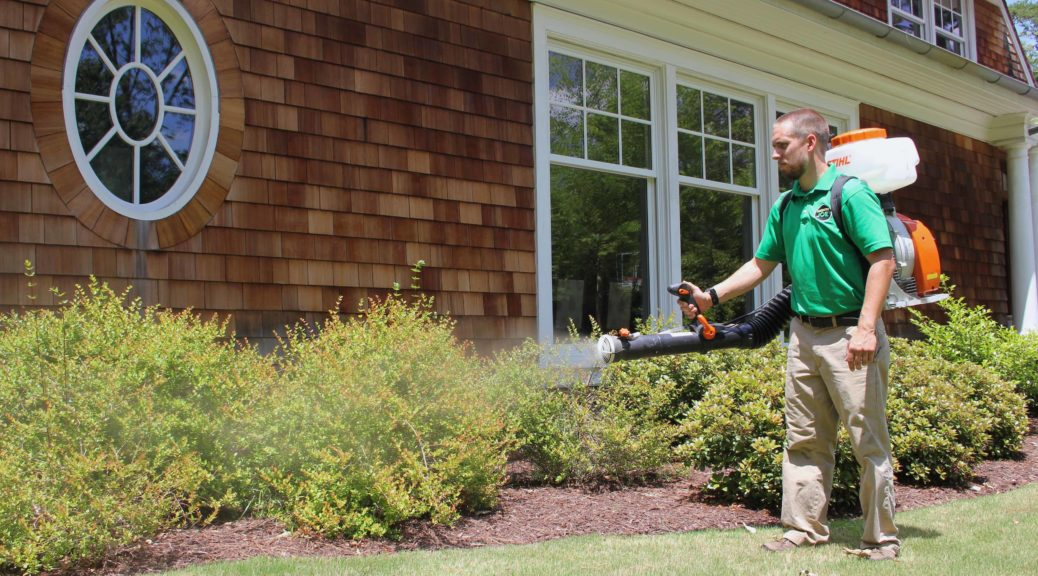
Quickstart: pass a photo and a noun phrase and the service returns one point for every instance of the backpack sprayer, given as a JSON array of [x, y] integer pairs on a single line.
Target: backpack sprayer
[[887, 164]]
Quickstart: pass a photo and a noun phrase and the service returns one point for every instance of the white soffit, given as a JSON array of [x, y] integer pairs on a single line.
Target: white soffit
[[794, 43]]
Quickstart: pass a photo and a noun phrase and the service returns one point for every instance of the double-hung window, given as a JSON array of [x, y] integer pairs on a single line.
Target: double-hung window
[[718, 156], [945, 23], [601, 174]]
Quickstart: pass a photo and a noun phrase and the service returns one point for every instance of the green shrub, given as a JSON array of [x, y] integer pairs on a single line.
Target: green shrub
[[73, 506], [377, 419], [944, 418], [593, 433], [1016, 360], [574, 430], [736, 429], [947, 416], [117, 423], [684, 377], [970, 334]]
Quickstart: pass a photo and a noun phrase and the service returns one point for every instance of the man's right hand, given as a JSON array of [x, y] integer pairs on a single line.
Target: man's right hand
[[700, 303]]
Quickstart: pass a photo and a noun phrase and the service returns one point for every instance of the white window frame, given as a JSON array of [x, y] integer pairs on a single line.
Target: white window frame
[[556, 30], [930, 31], [609, 60], [207, 121], [758, 102]]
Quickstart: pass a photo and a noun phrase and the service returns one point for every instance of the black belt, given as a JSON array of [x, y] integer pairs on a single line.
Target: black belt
[[848, 319]]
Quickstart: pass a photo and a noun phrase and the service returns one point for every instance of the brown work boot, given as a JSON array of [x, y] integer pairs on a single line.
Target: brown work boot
[[780, 545]]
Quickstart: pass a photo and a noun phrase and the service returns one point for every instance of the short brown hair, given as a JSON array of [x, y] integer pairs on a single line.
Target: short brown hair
[[806, 121]]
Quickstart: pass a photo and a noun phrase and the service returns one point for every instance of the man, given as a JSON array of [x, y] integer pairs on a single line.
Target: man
[[838, 357]]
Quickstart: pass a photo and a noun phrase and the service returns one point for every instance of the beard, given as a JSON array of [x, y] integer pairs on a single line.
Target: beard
[[791, 171]]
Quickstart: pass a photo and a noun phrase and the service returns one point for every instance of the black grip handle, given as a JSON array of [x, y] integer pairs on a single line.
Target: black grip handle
[[683, 290]]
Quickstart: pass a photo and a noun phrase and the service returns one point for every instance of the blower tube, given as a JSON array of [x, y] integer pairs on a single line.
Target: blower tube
[[764, 324]]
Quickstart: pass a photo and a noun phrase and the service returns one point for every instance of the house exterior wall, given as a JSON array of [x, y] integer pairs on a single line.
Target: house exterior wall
[[375, 134], [993, 45], [875, 8], [361, 137], [960, 196], [993, 49]]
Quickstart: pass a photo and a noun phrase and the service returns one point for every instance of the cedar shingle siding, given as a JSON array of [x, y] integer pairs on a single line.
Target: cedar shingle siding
[[994, 49], [373, 135]]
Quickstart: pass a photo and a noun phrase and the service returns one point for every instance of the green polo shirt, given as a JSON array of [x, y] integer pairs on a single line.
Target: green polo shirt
[[826, 269]]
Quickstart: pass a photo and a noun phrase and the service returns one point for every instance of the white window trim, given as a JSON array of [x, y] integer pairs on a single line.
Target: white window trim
[[207, 121], [561, 30], [969, 28], [654, 123], [759, 127]]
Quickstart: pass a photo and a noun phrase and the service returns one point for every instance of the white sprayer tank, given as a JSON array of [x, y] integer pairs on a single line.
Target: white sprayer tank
[[885, 163]]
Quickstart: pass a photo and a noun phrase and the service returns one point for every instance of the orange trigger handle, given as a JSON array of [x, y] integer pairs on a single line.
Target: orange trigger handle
[[683, 290]]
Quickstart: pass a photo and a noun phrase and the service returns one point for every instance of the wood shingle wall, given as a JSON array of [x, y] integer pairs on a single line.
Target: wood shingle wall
[[376, 134]]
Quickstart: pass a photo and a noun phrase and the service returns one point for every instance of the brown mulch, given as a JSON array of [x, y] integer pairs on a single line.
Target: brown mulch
[[532, 514]]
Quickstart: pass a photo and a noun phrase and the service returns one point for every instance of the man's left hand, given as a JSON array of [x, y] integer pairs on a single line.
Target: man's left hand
[[861, 350]]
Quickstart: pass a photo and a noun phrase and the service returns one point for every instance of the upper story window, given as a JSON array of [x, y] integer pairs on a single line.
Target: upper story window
[[941, 22], [140, 105]]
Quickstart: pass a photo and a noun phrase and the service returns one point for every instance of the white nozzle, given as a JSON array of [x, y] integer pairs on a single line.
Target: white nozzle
[[607, 347]]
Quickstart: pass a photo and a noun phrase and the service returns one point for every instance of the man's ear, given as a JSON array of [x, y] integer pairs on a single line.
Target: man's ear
[[812, 142]]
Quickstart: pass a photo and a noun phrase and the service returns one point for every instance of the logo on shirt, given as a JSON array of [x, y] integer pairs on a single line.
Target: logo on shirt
[[823, 213]]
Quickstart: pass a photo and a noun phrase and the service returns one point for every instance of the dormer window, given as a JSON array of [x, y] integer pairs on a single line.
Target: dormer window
[[945, 23]]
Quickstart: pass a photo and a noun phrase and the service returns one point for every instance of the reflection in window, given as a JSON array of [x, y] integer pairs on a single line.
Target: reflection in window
[[598, 249], [941, 22], [947, 21], [134, 105], [716, 238], [599, 112], [716, 138]]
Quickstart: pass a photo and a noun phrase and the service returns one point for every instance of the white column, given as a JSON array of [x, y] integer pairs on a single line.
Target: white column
[[1022, 174]]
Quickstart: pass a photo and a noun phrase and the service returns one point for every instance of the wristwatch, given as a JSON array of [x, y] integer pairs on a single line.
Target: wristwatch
[[713, 297]]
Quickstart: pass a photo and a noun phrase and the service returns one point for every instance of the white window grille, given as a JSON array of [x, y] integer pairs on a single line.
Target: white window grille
[[140, 104], [945, 23]]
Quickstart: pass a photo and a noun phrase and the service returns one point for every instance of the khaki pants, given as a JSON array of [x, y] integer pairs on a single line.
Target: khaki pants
[[822, 392]]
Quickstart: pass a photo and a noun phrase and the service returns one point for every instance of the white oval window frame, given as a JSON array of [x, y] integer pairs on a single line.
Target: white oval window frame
[[207, 109]]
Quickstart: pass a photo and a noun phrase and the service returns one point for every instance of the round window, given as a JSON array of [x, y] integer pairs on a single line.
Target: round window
[[140, 106]]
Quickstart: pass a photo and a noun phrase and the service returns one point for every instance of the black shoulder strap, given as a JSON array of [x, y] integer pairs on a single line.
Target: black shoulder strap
[[782, 206], [835, 204]]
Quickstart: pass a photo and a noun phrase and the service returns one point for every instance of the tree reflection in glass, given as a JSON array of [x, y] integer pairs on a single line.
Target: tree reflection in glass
[[716, 137], [138, 144], [716, 238], [598, 230], [601, 87], [597, 111], [603, 138], [567, 131]]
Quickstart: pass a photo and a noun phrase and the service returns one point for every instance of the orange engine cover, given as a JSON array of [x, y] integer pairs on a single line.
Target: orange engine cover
[[927, 270]]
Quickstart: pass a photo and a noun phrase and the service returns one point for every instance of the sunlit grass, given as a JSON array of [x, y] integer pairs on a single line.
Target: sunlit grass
[[988, 535]]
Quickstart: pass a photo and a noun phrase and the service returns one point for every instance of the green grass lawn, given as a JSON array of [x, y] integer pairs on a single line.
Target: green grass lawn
[[988, 535]]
